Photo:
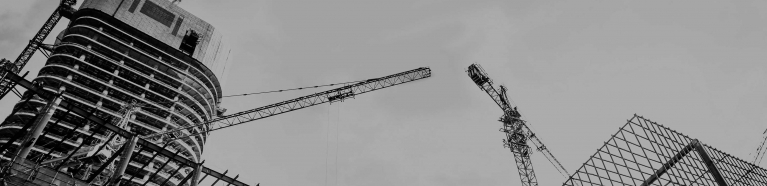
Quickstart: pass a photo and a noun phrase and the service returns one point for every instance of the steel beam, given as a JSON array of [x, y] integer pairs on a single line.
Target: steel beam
[[222, 177], [158, 170], [710, 164], [124, 160], [192, 175], [117, 130], [171, 175], [150, 160], [217, 179], [78, 147], [105, 165], [670, 163]]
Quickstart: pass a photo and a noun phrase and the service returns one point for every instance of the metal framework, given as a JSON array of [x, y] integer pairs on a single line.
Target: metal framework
[[63, 10], [516, 130], [142, 145], [334, 95], [49, 174], [643, 153]]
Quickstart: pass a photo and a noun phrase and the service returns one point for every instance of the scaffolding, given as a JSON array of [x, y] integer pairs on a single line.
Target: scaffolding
[[643, 153]]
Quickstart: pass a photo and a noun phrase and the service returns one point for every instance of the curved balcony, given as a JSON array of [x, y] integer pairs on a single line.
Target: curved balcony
[[120, 35], [196, 101], [112, 113], [143, 54], [65, 57], [124, 91]]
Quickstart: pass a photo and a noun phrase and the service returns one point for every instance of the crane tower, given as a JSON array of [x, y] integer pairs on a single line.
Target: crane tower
[[516, 130]]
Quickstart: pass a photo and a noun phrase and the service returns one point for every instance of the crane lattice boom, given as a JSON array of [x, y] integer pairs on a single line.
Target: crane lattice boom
[[334, 95], [516, 130], [64, 9]]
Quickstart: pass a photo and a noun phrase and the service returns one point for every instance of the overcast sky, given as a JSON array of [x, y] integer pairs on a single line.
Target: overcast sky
[[577, 70]]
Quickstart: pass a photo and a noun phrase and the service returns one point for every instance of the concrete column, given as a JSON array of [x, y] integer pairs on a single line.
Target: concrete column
[[145, 178], [196, 176], [39, 125], [124, 160]]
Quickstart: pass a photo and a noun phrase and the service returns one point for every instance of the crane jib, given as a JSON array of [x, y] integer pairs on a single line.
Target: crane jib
[[333, 95]]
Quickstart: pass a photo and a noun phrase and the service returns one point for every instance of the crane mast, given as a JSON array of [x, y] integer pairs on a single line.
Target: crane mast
[[516, 130], [63, 10], [329, 96]]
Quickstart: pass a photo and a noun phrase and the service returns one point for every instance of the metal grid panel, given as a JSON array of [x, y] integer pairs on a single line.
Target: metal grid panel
[[643, 150]]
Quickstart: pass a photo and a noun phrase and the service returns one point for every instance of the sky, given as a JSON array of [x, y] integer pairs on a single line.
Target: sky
[[576, 70]]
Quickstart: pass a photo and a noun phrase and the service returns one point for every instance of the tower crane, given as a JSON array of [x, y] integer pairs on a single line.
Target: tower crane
[[329, 96], [63, 10], [516, 130]]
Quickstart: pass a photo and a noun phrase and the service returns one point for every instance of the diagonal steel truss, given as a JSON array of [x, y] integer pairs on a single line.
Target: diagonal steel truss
[[643, 152]]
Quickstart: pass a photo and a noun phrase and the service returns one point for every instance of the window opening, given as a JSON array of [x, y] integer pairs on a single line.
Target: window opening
[[189, 42]]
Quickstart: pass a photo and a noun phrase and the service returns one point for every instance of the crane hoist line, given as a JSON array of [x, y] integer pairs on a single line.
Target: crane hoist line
[[516, 130], [329, 96]]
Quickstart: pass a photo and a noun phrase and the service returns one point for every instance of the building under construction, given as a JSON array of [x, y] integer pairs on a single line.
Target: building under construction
[[131, 89], [128, 95], [151, 53]]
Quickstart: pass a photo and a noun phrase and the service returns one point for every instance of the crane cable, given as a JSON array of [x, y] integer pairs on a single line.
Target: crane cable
[[759, 150], [327, 142], [338, 122], [531, 131], [301, 88]]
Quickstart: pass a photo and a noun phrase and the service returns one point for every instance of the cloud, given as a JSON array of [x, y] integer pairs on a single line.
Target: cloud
[[20, 22]]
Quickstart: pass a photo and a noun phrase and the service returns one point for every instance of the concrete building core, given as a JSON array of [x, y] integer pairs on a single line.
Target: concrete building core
[[117, 51]]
